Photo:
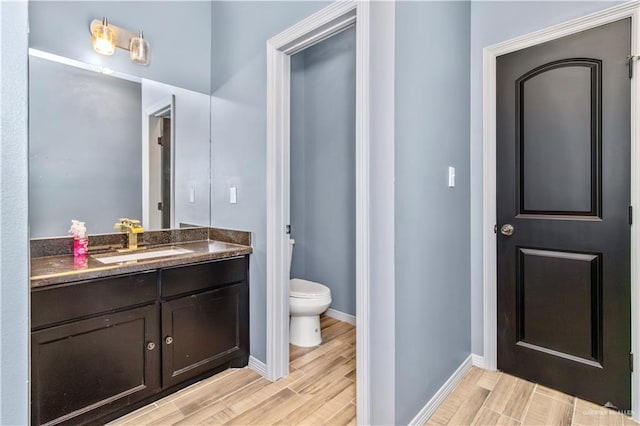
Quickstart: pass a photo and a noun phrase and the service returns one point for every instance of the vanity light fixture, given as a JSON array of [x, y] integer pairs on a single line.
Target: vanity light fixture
[[139, 50], [106, 37], [103, 38]]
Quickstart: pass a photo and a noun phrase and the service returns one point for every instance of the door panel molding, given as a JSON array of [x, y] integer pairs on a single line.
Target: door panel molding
[[490, 53], [530, 328], [560, 354], [593, 205]]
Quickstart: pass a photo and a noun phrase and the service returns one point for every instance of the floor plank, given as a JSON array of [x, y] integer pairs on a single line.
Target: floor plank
[[551, 393], [269, 411], [488, 417], [309, 357], [489, 379], [548, 411], [210, 393], [473, 375], [326, 321], [335, 330], [332, 406], [519, 399], [469, 410], [346, 416], [297, 416]]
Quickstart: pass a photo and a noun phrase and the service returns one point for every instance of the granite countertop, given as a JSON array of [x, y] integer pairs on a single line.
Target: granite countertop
[[64, 268]]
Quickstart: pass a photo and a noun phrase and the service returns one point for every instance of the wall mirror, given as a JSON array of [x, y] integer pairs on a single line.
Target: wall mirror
[[105, 144]]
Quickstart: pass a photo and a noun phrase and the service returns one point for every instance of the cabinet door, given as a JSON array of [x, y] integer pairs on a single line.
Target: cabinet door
[[203, 331], [86, 369]]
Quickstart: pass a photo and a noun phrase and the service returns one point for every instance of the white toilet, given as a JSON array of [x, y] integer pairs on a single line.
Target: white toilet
[[307, 300]]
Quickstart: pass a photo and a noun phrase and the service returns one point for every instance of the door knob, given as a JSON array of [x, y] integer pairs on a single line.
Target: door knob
[[168, 340], [151, 346], [507, 229]]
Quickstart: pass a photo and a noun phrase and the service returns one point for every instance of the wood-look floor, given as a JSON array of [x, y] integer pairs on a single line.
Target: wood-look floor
[[494, 398], [320, 389]]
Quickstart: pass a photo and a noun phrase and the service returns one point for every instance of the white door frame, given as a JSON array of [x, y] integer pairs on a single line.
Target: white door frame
[[625, 10], [319, 26]]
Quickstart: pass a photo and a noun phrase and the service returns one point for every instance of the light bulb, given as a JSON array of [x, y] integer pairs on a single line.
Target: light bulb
[[139, 50], [103, 39]]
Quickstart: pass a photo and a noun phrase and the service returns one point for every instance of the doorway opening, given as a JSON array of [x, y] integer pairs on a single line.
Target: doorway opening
[[158, 152], [322, 198], [329, 21], [322, 171]]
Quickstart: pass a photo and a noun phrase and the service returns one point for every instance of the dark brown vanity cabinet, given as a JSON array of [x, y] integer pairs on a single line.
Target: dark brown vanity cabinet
[[103, 347]]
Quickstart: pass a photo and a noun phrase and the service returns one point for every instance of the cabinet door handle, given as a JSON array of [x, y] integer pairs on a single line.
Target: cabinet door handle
[[151, 346], [168, 340]]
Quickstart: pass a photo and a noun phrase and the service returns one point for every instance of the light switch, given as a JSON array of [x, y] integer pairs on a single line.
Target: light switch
[[232, 195], [192, 195], [452, 177]]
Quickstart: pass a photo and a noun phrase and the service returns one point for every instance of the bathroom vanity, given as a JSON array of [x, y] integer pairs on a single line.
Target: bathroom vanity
[[109, 338]]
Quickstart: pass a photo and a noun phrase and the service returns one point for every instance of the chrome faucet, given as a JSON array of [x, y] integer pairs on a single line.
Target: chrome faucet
[[132, 227]]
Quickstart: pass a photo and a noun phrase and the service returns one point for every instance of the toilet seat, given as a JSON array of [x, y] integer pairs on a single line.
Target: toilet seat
[[304, 289]]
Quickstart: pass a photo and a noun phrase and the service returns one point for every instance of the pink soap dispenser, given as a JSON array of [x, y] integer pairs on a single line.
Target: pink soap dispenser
[[80, 240]]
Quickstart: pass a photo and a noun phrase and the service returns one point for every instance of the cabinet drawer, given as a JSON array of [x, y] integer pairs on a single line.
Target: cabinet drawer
[[53, 305], [192, 278]]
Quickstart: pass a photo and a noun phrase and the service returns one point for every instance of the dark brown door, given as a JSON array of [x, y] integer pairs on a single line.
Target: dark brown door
[[86, 369], [201, 332], [563, 183]]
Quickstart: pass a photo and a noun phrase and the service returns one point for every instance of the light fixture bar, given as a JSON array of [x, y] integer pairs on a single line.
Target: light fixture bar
[[121, 35], [125, 40]]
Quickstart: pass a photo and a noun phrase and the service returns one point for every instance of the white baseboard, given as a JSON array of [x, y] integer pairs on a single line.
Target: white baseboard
[[258, 366], [437, 399], [477, 360], [341, 316]]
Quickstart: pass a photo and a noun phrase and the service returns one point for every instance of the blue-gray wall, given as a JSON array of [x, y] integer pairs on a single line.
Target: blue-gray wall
[[323, 214], [14, 251], [179, 33], [432, 221], [84, 149], [238, 129], [491, 23]]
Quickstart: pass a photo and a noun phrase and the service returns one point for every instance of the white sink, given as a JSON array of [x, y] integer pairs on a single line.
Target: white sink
[[142, 255]]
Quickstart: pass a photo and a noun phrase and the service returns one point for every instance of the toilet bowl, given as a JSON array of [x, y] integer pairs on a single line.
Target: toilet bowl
[[307, 300]]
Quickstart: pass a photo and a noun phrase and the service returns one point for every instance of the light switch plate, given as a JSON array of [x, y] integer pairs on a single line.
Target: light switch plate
[[233, 195], [192, 195], [452, 177]]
